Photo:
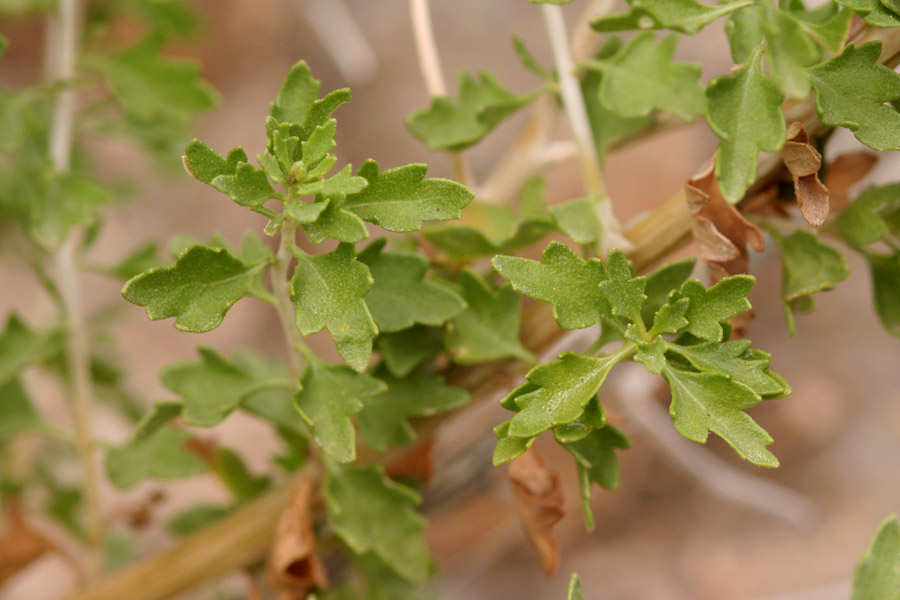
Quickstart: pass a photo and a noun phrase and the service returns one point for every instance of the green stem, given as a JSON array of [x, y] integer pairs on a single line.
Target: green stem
[[282, 292]]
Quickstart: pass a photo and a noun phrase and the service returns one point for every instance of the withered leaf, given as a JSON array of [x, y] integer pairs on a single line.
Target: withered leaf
[[721, 232], [843, 172], [294, 567], [20, 545], [803, 161], [539, 500]]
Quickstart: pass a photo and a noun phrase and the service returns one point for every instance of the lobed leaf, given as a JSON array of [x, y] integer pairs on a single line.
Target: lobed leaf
[[877, 575], [164, 454]]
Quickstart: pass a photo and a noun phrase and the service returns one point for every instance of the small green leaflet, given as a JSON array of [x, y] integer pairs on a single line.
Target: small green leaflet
[[597, 463], [641, 77], [662, 281], [19, 415], [383, 421], [405, 350], [563, 389], [744, 110], [205, 164], [326, 218], [575, 592], [808, 267], [735, 359], [875, 12], [161, 414], [21, 346], [199, 289], [152, 87], [862, 223], [886, 290], [703, 402], [709, 307], [248, 187], [298, 92], [401, 297], [330, 395], [373, 514], [67, 200], [489, 328], [877, 575], [400, 199], [623, 291], [231, 470], [212, 388], [686, 16], [851, 91], [578, 219], [164, 454], [563, 279], [328, 291], [457, 124]]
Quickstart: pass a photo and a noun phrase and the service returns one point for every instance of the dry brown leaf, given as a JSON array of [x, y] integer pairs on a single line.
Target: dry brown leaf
[[843, 172], [721, 232], [416, 463], [539, 500], [21, 545], [803, 162], [294, 568]]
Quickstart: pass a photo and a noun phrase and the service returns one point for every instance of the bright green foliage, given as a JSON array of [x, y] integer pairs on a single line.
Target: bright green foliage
[[61, 203], [153, 88], [234, 474], [248, 187], [597, 463], [575, 592], [195, 518], [641, 77], [709, 307], [19, 415], [332, 221], [886, 290], [456, 124], [863, 222], [703, 402], [662, 281], [199, 289], [744, 110], [686, 16], [370, 513], [578, 219], [205, 164], [21, 346], [296, 96], [878, 572], [828, 24], [405, 350], [851, 91], [330, 395], [736, 360], [164, 454], [563, 279], [623, 291], [808, 267], [212, 388], [489, 328], [564, 388], [159, 415], [328, 291], [400, 199], [383, 421], [400, 296], [875, 12]]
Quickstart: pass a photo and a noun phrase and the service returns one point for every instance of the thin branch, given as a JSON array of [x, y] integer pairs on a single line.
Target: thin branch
[[281, 291], [66, 31]]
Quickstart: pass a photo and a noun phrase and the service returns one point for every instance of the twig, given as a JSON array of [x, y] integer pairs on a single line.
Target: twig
[[338, 32], [282, 292], [66, 31], [636, 388]]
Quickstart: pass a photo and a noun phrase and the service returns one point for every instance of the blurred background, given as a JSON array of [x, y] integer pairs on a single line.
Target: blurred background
[[663, 535]]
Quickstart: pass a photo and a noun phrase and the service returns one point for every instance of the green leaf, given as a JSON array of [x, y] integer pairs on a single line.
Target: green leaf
[[686, 16], [575, 592], [143, 258], [457, 124], [383, 421], [563, 279], [67, 200], [198, 289], [21, 347], [873, 11], [296, 96], [528, 60], [789, 52], [161, 414], [195, 518], [401, 297], [152, 87], [489, 328], [736, 360], [509, 447], [877, 575], [334, 222], [405, 350], [213, 387], [370, 513], [660, 283], [18, 414], [400, 199], [564, 388], [641, 77], [595, 456], [709, 307], [829, 25], [851, 91], [623, 291], [330, 395], [862, 223], [808, 267], [248, 187], [578, 219], [886, 290], [204, 164], [703, 402], [232, 471], [744, 110], [161, 455], [328, 291]]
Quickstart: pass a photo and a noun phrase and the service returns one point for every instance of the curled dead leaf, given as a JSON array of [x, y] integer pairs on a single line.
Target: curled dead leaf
[[803, 162], [294, 568], [21, 545], [539, 500], [721, 232], [844, 171]]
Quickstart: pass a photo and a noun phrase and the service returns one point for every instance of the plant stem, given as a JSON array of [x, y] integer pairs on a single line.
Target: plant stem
[[281, 290], [65, 31]]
